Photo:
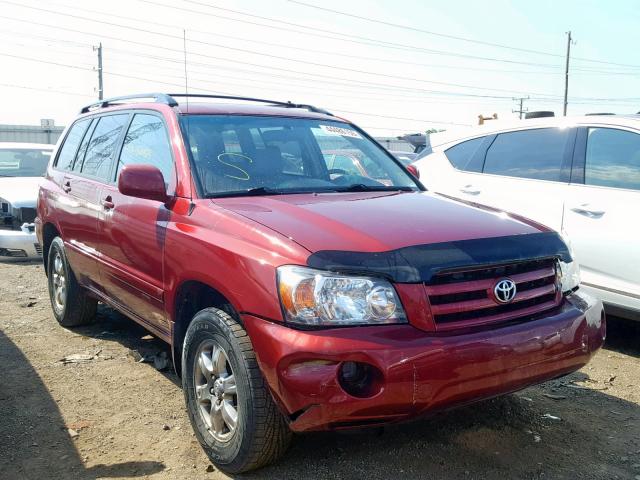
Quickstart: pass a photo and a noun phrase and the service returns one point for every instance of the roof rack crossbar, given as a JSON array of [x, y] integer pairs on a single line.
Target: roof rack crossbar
[[311, 108], [156, 97]]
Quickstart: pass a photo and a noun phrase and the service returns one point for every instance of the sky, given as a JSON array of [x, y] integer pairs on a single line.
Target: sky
[[392, 67]]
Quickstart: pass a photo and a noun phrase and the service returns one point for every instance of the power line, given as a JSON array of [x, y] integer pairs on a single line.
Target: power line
[[307, 27], [308, 30], [48, 90], [331, 78], [312, 50], [317, 75], [29, 59], [420, 30], [254, 52], [337, 110]]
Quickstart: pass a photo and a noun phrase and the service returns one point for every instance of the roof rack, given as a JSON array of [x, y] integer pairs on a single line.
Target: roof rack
[[172, 102], [157, 98], [311, 108]]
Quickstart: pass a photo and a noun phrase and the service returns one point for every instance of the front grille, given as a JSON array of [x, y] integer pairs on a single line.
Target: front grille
[[38, 248], [465, 298]]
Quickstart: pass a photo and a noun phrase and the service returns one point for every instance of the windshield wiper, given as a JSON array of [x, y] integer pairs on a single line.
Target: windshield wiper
[[257, 191], [7, 176], [361, 187]]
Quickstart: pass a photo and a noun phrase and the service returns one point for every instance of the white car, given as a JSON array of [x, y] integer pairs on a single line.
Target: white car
[[22, 165], [577, 175]]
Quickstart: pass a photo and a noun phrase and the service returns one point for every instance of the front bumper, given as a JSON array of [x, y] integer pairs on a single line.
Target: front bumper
[[19, 244], [421, 372]]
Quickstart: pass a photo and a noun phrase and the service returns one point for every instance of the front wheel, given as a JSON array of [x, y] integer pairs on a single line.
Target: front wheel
[[229, 405]]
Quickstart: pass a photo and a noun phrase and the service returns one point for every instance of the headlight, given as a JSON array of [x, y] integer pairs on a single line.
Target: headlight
[[569, 276], [569, 272], [316, 297]]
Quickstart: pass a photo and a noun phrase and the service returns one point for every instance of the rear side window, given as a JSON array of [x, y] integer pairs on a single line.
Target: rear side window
[[147, 143], [535, 154], [71, 143], [460, 155], [103, 143], [612, 159]]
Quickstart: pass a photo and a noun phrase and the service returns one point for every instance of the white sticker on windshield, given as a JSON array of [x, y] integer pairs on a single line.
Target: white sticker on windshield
[[339, 131]]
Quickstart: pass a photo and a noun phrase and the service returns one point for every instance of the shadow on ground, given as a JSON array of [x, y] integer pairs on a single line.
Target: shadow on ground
[[113, 326], [623, 336], [34, 442]]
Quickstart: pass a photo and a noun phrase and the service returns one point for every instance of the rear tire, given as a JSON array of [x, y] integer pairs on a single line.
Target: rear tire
[[71, 305], [230, 407]]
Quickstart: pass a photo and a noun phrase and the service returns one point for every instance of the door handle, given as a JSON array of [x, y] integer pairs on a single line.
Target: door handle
[[66, 186], [107, 203], [470, 189], [588, 212]]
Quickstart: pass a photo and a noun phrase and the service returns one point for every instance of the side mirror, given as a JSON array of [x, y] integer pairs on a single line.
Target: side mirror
[[143, 181], [413, 170]]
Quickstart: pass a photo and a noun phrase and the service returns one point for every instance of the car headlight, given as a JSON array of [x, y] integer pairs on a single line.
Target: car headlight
[[569, 276], [320, 298], [569, 271]]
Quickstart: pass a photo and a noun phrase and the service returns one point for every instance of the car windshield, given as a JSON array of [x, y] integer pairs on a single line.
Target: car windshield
[[261, 155], [23, 162]]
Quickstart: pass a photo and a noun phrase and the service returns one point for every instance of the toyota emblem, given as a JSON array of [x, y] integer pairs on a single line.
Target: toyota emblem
[[505, 290]]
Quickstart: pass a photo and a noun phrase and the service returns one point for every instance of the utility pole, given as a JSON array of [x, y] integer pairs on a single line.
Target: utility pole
[[566, 73], [520, 110], [100, 87]]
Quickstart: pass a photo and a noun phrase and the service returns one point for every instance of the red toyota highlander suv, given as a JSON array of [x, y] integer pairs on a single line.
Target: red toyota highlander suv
[[298, 297]]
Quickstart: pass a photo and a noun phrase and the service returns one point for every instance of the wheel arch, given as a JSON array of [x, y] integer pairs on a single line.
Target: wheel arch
[[190, 297], [49, 232]]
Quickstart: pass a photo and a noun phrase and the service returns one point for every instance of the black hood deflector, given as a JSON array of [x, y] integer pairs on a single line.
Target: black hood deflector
[[420, 263]]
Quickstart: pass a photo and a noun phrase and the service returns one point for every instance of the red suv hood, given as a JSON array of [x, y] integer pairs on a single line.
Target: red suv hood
[[374, 221]]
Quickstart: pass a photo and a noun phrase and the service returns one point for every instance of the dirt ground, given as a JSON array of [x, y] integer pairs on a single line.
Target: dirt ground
[[112, 416]]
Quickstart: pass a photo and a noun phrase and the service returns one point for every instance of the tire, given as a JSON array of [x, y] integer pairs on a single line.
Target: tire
[[71, 306], [261, 434]]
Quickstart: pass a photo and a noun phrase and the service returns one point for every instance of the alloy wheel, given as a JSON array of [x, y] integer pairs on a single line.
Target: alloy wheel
[[216, 391]]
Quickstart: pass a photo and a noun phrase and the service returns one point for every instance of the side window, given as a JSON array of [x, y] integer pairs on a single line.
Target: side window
[[77, 165], [460, 155], [147, 142], [535, 154], [103, 143], [70, 145], [612, 158]]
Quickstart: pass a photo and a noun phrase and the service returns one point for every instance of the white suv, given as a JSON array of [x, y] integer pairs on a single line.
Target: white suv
[[579, 175]]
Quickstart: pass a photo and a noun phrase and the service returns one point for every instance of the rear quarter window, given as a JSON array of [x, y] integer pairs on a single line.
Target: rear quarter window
[[462, 154], [71, 143]]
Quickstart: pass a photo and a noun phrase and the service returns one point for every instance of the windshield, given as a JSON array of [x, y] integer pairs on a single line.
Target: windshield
[[241, 155], [23, 162]]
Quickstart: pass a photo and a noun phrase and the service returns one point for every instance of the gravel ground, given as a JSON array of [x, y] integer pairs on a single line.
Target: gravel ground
[[107, 415]]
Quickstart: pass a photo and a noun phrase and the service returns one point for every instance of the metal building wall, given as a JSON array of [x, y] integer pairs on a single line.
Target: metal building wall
[[29, 133]]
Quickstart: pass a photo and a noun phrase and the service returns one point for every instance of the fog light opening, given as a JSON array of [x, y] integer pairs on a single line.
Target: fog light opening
[[359, 379]]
